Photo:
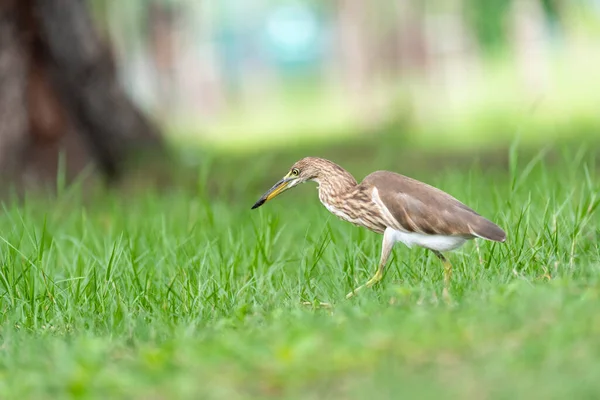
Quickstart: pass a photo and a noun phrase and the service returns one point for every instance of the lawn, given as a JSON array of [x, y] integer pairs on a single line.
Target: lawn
[[184, 292]]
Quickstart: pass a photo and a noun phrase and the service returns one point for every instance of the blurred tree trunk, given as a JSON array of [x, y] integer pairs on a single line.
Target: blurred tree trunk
[[357, 55], [162, 23], [530, 44], [410, 37], [60, 95]]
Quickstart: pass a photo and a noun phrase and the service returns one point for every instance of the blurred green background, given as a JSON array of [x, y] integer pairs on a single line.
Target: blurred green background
[[241, 75]]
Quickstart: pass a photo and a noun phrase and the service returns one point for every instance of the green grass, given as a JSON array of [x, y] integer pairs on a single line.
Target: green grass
[[186, 293]]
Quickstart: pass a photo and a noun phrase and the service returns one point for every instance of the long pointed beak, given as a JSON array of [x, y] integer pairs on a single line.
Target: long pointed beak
[[276, 190]]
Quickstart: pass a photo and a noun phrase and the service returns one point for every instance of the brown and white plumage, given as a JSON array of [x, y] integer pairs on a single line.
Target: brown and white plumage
[[421, 208], [401, 208]]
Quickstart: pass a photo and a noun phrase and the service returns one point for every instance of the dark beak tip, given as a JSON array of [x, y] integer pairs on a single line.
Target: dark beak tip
[[264, 197], [258, 204]]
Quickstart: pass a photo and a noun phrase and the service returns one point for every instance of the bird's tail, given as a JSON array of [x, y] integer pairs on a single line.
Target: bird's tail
[[486, 229]]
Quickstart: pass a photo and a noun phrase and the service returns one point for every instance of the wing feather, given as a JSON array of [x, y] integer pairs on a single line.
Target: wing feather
[[421, 208]]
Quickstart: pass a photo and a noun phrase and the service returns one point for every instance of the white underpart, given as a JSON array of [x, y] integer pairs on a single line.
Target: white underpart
[[433, 242], [410, 239]]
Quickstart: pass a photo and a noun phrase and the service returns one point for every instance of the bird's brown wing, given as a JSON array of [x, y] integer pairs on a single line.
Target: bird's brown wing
[[421, 208]]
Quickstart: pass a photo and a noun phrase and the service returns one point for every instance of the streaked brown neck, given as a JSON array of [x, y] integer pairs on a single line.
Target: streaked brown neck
[[334, 183]]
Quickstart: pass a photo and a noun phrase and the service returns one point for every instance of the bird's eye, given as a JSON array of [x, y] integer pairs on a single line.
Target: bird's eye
[[295, 171]]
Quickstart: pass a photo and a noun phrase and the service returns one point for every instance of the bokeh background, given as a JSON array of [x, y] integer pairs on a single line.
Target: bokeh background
[[245, 75]]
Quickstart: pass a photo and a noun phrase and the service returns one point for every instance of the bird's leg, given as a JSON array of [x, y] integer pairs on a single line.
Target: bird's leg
[[447, 267], [447, 273], [386, 249]]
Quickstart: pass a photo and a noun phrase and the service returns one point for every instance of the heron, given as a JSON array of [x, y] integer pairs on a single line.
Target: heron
[[400, 208]]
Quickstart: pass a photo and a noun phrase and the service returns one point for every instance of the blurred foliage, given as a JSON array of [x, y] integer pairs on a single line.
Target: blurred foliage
[[487, 19], [215, 81]]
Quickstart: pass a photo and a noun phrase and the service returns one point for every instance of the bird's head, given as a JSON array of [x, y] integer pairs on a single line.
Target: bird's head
[[306, 169]]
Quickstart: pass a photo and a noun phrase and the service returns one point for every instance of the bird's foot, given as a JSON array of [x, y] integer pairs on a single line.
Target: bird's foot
[[376, 278], [317, 304], [352, 293]]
